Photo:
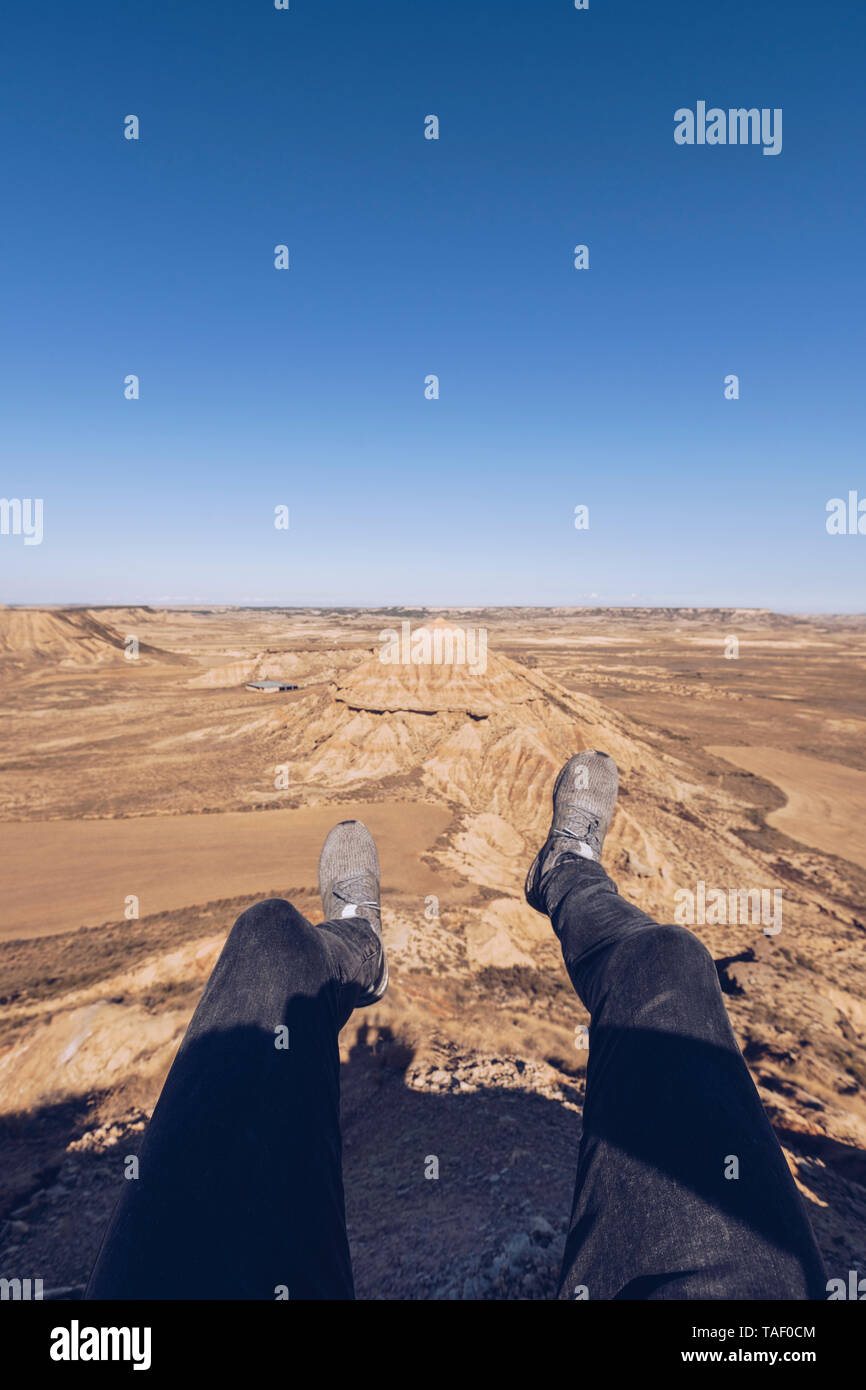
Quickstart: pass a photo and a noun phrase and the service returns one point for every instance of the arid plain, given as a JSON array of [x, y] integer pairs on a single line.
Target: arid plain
[[146, 802]]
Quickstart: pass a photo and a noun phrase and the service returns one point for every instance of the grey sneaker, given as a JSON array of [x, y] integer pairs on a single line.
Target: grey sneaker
[[349, 885], [584, 796]]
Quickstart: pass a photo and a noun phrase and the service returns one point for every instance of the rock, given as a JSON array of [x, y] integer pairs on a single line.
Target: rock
[[541, 1230], [637, 866]]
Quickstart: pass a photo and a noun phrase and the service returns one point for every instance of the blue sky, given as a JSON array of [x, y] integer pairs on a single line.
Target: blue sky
[[408, 257]]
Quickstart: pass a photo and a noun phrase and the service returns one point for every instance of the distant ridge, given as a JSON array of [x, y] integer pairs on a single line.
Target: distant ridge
[[70, 637]]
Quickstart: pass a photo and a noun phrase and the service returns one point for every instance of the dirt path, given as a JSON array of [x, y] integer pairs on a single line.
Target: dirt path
[[56, 876], [826, 801]]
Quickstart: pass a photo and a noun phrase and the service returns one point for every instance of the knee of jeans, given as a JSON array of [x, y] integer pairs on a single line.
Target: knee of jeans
[[674, 954], [275, 925]]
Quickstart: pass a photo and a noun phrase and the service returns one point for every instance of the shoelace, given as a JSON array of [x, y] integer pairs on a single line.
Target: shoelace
[[591, 829], [353, 902]]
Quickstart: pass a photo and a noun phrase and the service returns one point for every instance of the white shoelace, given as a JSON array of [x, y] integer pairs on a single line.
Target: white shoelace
[[586, 851]]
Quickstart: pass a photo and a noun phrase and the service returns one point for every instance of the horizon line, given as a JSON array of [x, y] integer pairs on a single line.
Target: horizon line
[[203, 605]]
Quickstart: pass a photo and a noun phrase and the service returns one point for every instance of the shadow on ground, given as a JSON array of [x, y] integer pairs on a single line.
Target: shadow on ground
[[455, 1194], [491, 1225]]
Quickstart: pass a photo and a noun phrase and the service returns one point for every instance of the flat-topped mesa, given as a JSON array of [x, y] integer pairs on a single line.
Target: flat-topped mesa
[[506, 704], [437, 668]]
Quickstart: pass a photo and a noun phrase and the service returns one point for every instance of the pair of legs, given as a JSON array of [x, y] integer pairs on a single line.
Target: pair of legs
[[682, 1190]]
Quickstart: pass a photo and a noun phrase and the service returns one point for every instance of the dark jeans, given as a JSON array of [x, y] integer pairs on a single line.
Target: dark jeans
[[669, 1106], [240, 1186], [240, 1191]]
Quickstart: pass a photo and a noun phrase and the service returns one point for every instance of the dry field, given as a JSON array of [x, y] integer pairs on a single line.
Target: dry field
[[163, 785]]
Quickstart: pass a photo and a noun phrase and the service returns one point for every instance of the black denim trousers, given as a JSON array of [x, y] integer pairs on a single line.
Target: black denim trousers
[[239, 1193], [682, 1190], [240, 1187]]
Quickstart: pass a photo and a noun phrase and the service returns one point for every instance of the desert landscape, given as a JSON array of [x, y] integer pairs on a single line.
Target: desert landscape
[[149, 796]]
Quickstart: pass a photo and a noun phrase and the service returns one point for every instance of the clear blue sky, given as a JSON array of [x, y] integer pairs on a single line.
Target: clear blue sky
[[408, 257]]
